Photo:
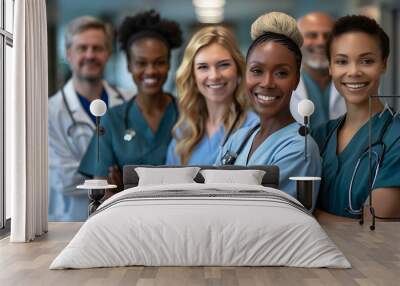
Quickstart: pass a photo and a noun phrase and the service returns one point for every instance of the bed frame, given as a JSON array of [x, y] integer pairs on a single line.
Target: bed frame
[[270, 179]]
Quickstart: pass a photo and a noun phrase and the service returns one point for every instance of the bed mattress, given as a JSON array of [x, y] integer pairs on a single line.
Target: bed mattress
[[201, 225]]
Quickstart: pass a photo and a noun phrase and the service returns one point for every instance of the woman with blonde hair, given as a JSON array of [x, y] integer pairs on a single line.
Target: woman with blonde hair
[[212, 101]]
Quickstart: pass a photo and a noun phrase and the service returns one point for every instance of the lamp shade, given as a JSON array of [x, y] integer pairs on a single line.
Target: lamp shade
[[98, 107], [305, 107]]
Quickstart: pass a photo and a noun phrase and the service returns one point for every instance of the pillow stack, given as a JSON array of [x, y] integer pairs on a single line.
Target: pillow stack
[[184, 175]]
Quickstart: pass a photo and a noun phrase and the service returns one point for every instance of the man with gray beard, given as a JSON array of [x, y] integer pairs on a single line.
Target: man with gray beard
[[88, 43], [315, 82]]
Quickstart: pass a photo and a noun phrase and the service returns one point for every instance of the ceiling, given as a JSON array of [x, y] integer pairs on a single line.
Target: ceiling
[[183, 11]]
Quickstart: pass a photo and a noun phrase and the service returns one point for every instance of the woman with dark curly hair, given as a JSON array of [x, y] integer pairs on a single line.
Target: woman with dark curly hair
[[138, 131]]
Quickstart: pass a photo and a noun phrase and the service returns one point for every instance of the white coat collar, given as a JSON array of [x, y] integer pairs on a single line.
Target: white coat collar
[[76, 107], [115, 97], [337, 106]]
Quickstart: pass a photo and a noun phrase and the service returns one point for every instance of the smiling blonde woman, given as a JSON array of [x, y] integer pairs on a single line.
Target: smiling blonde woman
[[212, 102]]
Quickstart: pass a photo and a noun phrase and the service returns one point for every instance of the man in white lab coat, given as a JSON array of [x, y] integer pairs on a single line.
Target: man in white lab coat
[[315, 82], [88, 44]]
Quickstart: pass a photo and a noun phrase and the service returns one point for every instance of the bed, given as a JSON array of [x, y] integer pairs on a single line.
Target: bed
[[204, 222]]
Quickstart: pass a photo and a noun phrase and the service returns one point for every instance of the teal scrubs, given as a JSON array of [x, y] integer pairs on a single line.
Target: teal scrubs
[[338, 169], [285, 149], [319, 97], [206, 151], [145, 147]]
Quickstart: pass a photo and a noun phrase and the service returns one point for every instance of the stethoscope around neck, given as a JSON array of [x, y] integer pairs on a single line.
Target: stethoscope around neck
[[75, 123], [378, 159], [129, 131]]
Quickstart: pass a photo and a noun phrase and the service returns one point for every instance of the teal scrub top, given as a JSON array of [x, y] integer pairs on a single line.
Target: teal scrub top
[[206, 151], [339, 169], [145, 148], [319, 97], [285, 149]]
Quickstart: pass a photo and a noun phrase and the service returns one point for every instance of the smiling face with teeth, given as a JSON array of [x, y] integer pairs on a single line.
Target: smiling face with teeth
[[315, 28], [356, 66], [271, 76], [216, 74], [149, 65]]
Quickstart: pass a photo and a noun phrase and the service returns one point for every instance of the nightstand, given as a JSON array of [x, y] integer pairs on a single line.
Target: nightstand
[[96, 191], [305, 189]]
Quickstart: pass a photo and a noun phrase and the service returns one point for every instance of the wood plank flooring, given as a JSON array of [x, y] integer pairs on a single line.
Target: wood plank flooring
[[374, 255]]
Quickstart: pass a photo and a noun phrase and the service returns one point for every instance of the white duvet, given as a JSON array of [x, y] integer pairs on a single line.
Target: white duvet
[[181, 230]]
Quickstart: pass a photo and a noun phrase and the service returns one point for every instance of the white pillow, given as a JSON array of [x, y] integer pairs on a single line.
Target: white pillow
[[249, 177], [163, 176]]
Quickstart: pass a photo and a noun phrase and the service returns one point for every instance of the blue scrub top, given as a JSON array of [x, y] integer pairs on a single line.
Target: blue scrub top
[[285, 149], [206, 151], [145, 148], [338, 169], [319, 97]]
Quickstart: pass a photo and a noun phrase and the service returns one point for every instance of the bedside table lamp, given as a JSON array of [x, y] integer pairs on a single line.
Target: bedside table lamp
[[98, 108], [97, 187], [305, 186], [305, 109]]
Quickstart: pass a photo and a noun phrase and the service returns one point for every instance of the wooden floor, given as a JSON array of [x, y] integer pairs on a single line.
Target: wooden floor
[[374, 255]]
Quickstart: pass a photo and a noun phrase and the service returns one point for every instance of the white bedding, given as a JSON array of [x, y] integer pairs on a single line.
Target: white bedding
[[255, 230]]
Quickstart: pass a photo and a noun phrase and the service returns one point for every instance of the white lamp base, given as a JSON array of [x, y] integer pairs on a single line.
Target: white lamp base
[[96, 184], [305, 178]]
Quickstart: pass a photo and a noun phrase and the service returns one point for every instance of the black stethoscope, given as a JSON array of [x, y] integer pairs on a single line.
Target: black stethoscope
[[229, 158], [75, 123], [130, 132], [378, 158]]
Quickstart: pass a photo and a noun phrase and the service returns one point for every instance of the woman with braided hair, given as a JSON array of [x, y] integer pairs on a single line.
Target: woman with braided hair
[[272, 74]]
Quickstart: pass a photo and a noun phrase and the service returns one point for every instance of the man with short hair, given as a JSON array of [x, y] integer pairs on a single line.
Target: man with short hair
[[88, 43], [315, 82]]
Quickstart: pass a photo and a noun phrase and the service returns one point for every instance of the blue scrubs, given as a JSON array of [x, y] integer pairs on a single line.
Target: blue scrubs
[[338, 169], [285, 149], [145, 148], [206, 151], [319, 97]]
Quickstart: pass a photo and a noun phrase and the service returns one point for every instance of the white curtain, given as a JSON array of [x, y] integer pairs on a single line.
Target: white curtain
[[26, 123]]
